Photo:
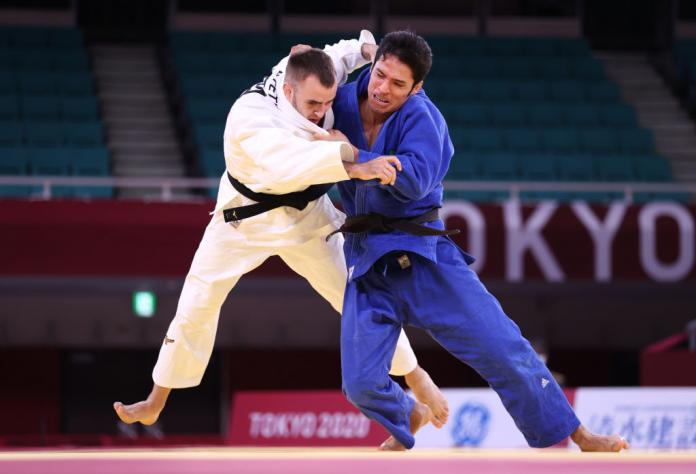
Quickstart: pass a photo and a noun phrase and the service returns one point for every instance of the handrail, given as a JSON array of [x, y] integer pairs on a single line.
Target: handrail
[[167, 184]]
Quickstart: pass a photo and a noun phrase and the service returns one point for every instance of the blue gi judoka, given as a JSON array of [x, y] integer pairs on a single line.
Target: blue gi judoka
[[398, 279]]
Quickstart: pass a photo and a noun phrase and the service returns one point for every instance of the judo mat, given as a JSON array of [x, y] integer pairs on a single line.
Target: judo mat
[[341, 461]]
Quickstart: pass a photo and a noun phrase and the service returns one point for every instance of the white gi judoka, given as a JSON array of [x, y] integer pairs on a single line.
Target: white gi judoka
[[268, 148]]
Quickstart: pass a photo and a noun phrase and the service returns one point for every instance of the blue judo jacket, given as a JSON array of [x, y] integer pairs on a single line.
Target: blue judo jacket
[[417, 134]]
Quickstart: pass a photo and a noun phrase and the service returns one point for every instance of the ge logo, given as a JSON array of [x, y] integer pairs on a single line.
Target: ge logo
[[471, 424]]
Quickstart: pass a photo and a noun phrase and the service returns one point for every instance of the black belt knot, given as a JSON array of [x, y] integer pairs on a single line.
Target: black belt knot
[[266, 202], [381, 223]]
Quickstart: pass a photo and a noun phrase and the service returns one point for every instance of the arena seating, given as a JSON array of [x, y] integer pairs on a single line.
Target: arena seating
[[518, 109], [49, 115]]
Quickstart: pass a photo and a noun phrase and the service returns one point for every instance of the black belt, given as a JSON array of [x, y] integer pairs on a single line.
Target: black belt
[[267, 202], [380, 223]]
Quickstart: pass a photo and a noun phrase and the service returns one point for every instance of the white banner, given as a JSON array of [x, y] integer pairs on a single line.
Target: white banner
[[649, 418], [478, 419]]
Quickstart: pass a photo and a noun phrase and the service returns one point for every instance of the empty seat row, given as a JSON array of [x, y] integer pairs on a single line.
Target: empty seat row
[[520, 91], [55, 162], [42, 83], [68, 60], [589, 69], [459, 45], [218, 63], [217, 86], [540, 167], [81, 108], [51, 134], [478, 114], [597, 141], [55, 38]]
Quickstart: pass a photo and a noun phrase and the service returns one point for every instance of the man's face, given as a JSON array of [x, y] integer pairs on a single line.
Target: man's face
[[391, 84], [310, 98]]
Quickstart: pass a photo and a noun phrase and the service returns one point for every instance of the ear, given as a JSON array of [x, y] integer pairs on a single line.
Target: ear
[[287, 90], [416, 88]]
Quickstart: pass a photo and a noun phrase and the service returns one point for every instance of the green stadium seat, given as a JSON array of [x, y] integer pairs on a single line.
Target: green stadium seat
[[74, 84], [567, 92], [29, 38], [43, 134], [599, 92], [8, 83], [618, 116], [509, 116], [549, 115], [554, 69], [598, 141], [582, 115], [499, 167], [615, 168], [496, 91], [653, 169], [465, 166], [471, 114], [212, 162], [636, 141], [71, 61], [561, 141], [37, 83], [538, 167], [13, 162], [9, 108], [208, 110], [589, 69], [531, 91], [79, 109], [40, 108], [10, 133], [518, 69], [209, 136], [523, 140], [577, 168], [87, 135]]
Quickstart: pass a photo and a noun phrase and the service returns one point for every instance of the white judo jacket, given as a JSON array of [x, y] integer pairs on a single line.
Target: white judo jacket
[[268, 148]]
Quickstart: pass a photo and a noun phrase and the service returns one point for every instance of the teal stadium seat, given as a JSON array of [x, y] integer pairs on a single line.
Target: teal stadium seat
[[598, 141], [465, 166], [636, 141], [538, 167], [509, 115], [13, 162], [546, 115], [567, 92], [618, 116], [523, 140], [582, 115], [41, 108], [43, 134], [83, 135], [9, 108], [10, 134], [560, 141], [79, 109], [500, 167]]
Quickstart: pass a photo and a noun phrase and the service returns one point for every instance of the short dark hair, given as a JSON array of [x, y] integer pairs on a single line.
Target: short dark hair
[[311, 62], [410, 49]]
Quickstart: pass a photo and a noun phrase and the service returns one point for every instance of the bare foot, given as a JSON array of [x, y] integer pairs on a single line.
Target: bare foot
[[143, 412], [420, 416], [147, 411], [427, 392], [590, 442]]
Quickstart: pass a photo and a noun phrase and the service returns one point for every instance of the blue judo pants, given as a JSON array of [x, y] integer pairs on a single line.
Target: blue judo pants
[[447, 300]]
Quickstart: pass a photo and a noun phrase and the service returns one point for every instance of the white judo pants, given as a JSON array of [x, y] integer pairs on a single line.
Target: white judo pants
[[220, 261]]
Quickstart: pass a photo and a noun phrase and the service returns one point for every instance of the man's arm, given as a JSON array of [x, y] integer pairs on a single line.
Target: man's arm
[[349, 55]]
